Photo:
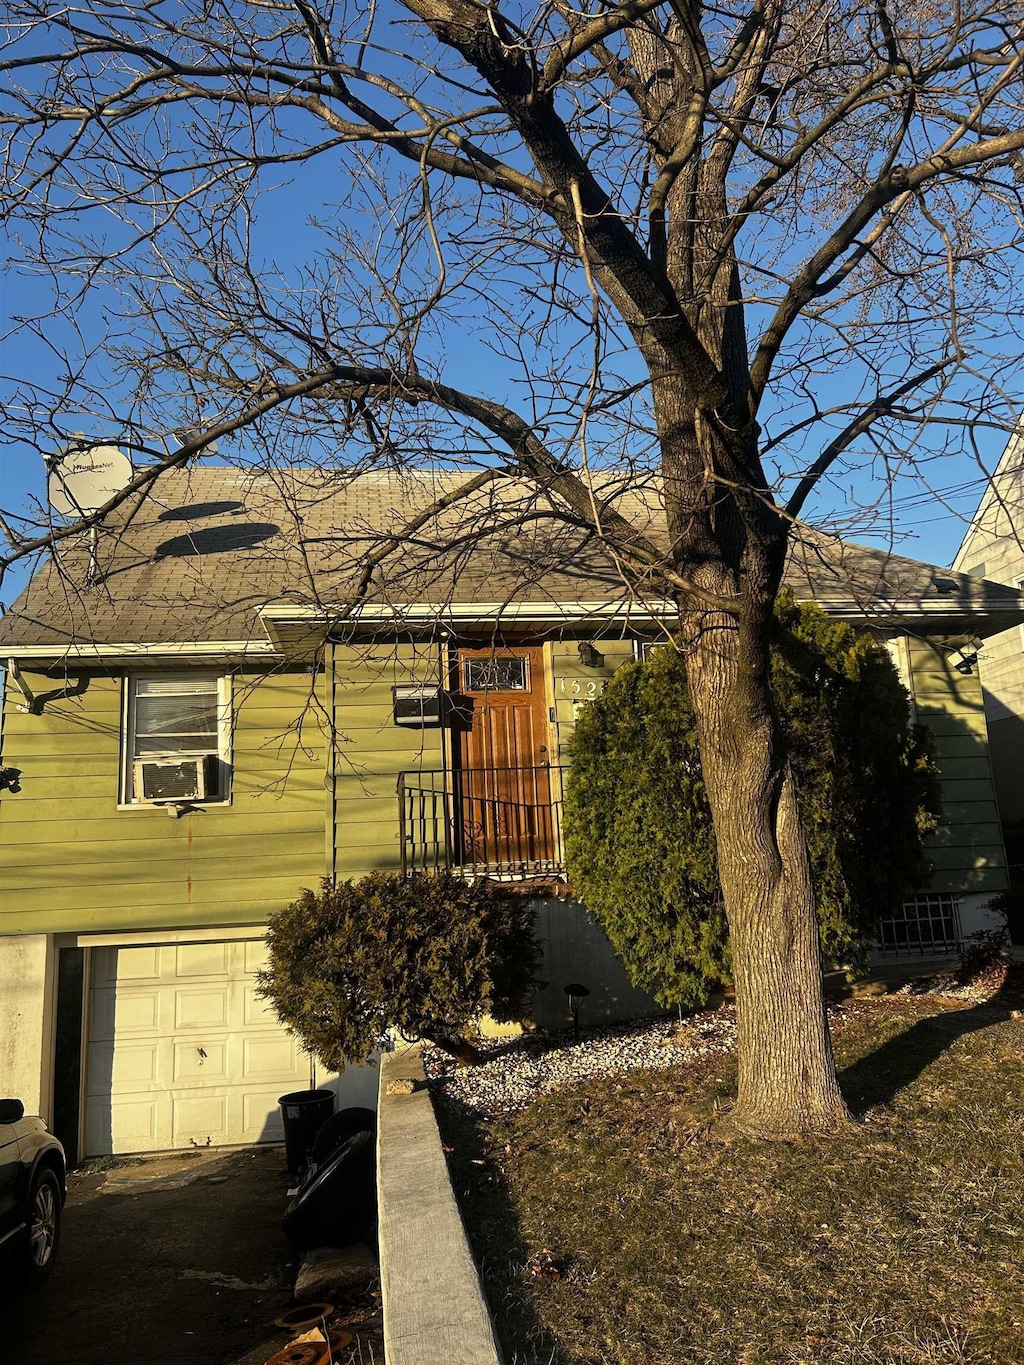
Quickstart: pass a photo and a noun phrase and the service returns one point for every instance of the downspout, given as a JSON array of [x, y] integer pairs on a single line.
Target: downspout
[[331, 776], [17, 677]]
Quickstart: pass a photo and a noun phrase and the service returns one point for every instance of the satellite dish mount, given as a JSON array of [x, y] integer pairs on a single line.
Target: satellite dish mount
[[81, 479]]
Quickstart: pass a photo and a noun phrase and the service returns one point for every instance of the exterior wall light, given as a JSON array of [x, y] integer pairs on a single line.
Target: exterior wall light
[[968, 656]]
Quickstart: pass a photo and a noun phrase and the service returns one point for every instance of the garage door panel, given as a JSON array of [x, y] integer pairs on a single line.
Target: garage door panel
[[134, 1067], [199, 1119], [99, 1068], [256, 957], [261, 1116], [200, 1064], [257, 1011], [114, 965], [270, 1058], [124, 1014], [200, 1009], [137, 1011], [201, 959], [182, 1050], [138, 964], [102, 1006], [129, 1127]]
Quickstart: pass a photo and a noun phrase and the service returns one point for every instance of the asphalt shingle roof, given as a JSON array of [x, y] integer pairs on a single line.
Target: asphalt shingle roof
[[213, 544]]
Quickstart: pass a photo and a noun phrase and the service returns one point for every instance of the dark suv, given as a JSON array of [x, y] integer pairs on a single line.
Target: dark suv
[[33, 1188]]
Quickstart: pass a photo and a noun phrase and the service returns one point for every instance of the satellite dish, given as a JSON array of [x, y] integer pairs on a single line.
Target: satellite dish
[[85, 477], [183, 438]]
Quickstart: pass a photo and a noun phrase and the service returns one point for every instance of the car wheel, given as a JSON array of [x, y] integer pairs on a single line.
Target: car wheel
[[43, 1233]]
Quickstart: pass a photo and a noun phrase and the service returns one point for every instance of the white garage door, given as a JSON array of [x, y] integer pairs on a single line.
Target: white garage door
[[182, 1052]]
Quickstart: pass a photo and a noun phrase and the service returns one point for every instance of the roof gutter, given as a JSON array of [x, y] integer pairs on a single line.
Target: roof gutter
[[398, 612], [897, 613], [184, 649]]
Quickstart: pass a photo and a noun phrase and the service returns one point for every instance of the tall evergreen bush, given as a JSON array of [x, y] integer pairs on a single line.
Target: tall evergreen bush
[[639, 841]]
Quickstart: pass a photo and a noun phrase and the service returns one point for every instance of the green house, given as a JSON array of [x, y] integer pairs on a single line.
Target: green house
[[256, 681]]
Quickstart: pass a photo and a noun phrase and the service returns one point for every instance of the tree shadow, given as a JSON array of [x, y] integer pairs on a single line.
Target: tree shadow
[[878, 1077], [495, 1232]]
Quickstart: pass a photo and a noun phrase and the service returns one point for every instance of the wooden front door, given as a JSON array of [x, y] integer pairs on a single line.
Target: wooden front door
[[504, 786]]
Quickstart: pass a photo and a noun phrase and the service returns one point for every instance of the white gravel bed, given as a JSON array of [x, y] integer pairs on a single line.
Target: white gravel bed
[[517, 1071]]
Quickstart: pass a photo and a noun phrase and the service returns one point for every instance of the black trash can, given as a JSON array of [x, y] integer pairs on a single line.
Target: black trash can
[[304, 1113]]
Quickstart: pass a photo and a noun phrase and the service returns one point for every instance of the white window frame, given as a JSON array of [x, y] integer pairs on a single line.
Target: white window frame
[[126, 799], [643, 649]]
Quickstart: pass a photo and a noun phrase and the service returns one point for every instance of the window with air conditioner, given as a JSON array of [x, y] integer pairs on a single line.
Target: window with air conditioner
[[176, 740]]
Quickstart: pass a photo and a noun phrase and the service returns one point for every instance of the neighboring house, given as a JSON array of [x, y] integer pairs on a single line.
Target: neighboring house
[[198, 728], [993, 548]]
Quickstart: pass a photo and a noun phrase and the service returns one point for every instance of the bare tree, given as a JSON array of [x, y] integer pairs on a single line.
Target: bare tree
[[742, 248]]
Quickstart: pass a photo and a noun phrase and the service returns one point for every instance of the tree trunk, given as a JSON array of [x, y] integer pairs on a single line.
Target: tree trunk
[[787, 1076], [464, 1052]]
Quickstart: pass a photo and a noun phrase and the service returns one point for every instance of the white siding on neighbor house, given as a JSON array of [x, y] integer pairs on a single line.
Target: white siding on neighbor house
[[967, 849], [994, 548]]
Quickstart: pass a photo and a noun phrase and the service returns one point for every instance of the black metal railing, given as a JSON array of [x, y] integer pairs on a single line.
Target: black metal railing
[[504, 822], [926, 924]]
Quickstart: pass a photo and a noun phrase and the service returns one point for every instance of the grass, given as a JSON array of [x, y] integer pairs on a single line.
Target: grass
[[606, 1235]]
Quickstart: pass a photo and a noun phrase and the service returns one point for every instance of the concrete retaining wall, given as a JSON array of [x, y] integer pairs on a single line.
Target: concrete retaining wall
[[435, 1312]]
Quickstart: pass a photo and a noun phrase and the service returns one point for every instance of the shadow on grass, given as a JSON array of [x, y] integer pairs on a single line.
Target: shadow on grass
[[879, 1076], [499, 1248]]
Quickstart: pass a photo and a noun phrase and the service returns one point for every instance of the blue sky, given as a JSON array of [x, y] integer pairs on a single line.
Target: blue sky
[[926, 522]]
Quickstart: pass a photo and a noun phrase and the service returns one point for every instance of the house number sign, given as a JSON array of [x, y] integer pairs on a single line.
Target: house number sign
[[585, 689]]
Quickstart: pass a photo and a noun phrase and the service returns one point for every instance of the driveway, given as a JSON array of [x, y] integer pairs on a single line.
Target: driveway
[[174, 1260]]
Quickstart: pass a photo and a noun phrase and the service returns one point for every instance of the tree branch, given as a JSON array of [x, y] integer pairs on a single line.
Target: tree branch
[[882, 405]]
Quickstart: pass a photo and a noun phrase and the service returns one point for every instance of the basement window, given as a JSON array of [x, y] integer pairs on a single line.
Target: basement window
[[925, 924], [176, 740]]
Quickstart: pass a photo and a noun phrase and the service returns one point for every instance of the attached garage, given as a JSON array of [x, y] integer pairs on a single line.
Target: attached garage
[[182, 1052]]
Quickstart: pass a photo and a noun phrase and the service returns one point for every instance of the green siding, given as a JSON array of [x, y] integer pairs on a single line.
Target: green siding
[[303, 806], [967, 850], [70, 860], [370, 751], [573, 681]]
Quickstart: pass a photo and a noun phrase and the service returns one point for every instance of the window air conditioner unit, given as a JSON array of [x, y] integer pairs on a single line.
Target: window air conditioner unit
[[417, 705], [166, 778]]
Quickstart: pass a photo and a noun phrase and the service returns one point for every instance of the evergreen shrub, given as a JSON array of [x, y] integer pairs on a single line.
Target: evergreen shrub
[[425, 954], [640, 846]]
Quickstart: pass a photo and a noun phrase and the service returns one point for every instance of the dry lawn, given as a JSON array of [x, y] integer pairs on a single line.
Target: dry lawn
[[606, 1234]]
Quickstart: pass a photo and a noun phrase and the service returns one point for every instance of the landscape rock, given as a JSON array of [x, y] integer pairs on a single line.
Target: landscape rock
[[403, 1086], [514, 1074], [329, 1268]]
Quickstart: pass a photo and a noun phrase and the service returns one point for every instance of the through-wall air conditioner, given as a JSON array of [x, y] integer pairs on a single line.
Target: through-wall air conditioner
[[172, 777], [417, 705]]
